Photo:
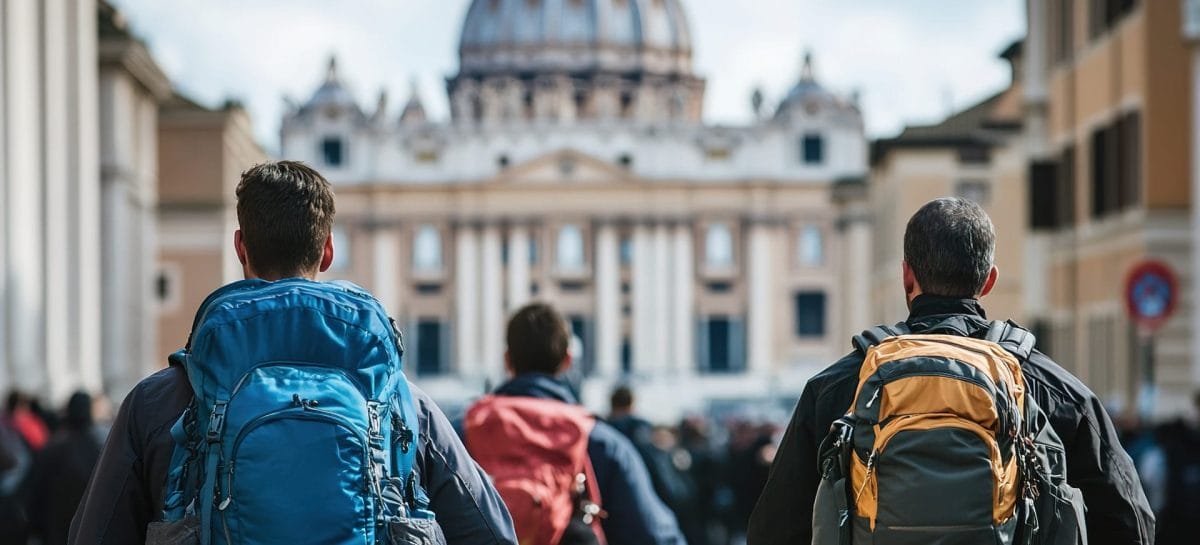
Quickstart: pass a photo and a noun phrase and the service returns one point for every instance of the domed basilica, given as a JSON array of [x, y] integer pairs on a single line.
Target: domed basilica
[[695, 262]]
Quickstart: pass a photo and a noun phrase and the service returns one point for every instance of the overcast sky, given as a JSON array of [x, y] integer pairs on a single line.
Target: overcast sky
[[912, 60]]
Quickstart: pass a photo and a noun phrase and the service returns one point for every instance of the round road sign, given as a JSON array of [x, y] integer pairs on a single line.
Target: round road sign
[[1151, 293]]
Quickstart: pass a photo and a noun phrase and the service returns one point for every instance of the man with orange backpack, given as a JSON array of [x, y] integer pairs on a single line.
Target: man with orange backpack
[[566, 477], [949, 428]]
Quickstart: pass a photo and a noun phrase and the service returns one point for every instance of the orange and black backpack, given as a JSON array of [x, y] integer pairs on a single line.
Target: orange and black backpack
[[942, 445]]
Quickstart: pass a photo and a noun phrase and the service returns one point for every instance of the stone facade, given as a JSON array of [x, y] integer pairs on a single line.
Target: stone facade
[[78, 173], [697, 262]]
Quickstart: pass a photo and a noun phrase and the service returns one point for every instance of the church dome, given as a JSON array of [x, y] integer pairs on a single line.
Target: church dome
[[532, 37]]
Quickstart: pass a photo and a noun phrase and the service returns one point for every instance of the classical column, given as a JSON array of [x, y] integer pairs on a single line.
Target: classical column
[[644, 329], [58, 357], [608, 301], [466, 282], [682, 295], [518, 267], [386, 269], [85, 197], [663, 356], [759, 279], [5, 298], [492, 306], [23, 220]]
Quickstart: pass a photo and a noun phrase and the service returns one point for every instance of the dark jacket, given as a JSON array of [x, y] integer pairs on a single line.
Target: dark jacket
[[1096, 463], [125, 492], [636, 516]]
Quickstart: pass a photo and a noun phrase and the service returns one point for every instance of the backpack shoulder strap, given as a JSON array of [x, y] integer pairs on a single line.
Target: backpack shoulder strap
[[875, 335], [1012, 338]]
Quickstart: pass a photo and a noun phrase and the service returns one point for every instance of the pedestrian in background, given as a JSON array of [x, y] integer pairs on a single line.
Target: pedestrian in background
[[61, 471], [531, 434]]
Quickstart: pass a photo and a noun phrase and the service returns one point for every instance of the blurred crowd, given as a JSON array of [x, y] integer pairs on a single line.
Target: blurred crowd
[[708, 471], [46, 457], [1167, 456]]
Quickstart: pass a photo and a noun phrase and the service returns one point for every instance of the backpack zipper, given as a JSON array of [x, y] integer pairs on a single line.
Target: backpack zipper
[[237, 387]]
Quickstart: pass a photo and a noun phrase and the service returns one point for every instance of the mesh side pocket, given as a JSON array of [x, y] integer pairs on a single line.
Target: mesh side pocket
[[185, 531]]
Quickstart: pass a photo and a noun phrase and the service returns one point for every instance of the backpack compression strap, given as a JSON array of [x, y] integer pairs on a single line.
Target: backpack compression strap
[[875, 335], [1011, 337]]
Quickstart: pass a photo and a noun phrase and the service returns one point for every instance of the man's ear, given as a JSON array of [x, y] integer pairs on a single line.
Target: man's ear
[[239, 246], [327, 254], [508, 368], [990, 282], [910, 280]]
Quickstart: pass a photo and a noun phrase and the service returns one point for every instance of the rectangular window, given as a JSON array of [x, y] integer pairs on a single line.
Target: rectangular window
[[718, 345], [1043, 180], [813, 149], [810, 314], [429, 344], [1098, 155], [1129, 129], [429, 289], [1106, 170], [333, 151], [721, 345]]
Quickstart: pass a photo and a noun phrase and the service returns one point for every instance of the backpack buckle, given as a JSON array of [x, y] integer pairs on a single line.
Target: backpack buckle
[[216, 422], [374, 425]]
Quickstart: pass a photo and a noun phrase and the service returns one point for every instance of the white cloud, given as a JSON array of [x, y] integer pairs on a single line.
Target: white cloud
[[903, 56]]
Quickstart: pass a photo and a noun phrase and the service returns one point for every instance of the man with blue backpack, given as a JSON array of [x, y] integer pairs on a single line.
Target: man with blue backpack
[[286, 418]]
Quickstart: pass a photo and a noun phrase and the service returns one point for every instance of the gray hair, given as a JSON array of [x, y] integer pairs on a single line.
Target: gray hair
[[950, 244]]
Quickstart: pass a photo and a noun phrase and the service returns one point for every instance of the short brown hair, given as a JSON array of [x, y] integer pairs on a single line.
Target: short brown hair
[[537, 340], [285, 210], [949, 244]]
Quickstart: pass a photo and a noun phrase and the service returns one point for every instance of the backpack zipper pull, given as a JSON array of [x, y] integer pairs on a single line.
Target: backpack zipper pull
[[867, 477], [874, 397], [228, 489]]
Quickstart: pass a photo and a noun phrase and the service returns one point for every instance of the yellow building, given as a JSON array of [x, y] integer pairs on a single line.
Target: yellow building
[[201, 155], [1108, 115], [977, 153]]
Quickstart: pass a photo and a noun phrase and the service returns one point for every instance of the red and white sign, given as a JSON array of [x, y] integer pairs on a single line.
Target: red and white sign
[[1151, 294]]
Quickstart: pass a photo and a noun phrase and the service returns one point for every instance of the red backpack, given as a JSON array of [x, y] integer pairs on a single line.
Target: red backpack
[[536, 453]]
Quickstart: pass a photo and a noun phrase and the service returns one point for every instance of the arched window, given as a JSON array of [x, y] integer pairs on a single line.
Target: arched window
[[427, 249], [812, 246], [341, 249], [718, 246], [570, 248]]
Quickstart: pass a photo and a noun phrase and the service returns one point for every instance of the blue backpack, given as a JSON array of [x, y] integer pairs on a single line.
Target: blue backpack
[[302, 428]]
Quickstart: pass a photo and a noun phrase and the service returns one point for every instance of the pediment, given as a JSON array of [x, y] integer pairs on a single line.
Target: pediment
[[565, 167]]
